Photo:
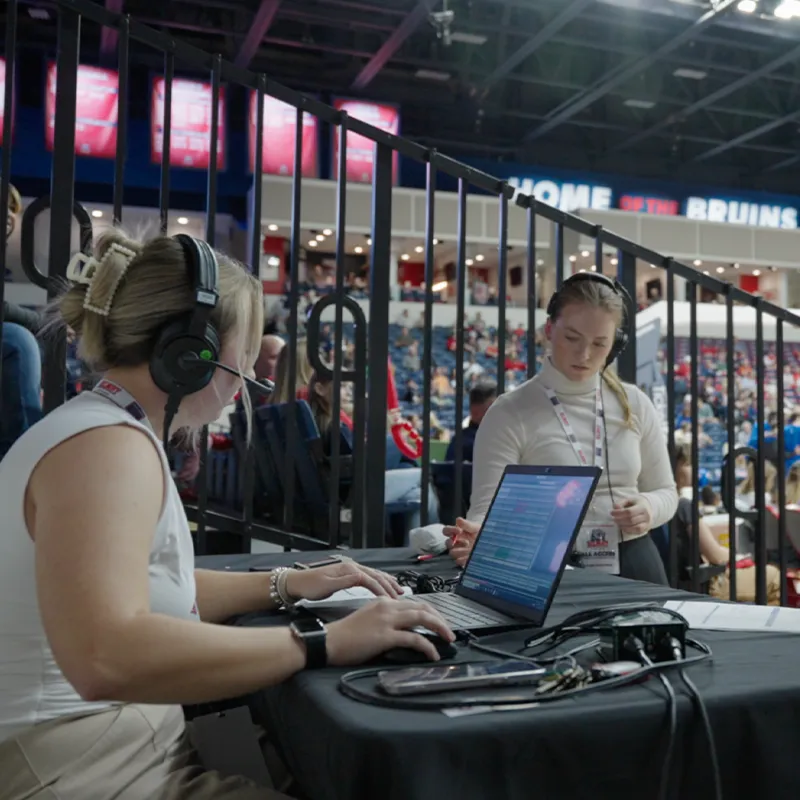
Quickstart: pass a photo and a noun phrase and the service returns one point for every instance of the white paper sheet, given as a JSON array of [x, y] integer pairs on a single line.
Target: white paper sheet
[[736, 616]]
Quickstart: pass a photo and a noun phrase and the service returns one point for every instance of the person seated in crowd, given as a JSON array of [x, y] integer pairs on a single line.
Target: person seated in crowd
[[304, 371], [271, 346], [481, 397], [711, 551], [106, 628], [709, 500], [746, 491], [637, 491], [22, 374]]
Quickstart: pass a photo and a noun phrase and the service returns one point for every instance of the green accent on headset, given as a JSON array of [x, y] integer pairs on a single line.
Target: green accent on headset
[[206, 355]]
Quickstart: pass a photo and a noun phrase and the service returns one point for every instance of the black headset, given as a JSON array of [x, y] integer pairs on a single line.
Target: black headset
[[186, 351], [621, 336]]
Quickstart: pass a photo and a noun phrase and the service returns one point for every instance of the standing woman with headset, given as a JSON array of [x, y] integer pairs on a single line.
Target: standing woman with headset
[[576, 411], [106, 627]]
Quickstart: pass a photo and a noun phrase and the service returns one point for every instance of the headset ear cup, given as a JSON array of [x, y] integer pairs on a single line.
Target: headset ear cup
[[167, 369], [620, 343]]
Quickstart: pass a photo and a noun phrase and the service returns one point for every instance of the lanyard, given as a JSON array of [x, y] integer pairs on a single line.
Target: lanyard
[[599, 426], [122, 398]]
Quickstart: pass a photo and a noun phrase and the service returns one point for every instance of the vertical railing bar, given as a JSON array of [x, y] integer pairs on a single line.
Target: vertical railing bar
[[695, 388], [781, 499], [461, 284], [122, 117], [294, 296], [62, 193], [211, 228], [598, 251], [559, 254], [380, 289], [5, 163], [427, 333], [166, 143], [761, 538], [502, 291], [670, 377], [256, 249], [730, 473], [530, 269], [334, 521]]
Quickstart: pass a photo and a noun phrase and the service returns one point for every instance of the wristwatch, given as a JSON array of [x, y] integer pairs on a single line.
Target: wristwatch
[[312, 634]]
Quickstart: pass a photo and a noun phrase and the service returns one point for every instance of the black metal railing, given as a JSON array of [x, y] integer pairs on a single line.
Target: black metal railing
[[370, 372]]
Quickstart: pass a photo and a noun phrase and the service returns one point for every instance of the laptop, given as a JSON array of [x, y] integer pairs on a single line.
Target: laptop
[[521, 550]]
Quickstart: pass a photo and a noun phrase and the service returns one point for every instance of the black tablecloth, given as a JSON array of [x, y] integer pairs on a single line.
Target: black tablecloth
[[604, 745]]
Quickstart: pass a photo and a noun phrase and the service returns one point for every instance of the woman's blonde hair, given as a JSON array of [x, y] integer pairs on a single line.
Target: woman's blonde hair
[[320, 402], [748, 485], [146, 293], [599, 295], [793, 485], [281, 393]]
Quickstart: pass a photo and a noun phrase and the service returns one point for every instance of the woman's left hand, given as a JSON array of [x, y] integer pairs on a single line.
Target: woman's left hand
[[633, 516], [321, 582]]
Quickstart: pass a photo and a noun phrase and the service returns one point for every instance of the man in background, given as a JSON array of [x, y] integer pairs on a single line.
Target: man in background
[[481, 397], [271, 346]]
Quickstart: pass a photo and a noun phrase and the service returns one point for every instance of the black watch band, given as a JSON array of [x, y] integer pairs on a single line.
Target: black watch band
[[312, 634]]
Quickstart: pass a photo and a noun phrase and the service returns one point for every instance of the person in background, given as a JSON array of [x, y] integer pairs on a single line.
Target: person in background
[[637, 490], [22, 375], [303, 375], [481, 397], [271, 346]]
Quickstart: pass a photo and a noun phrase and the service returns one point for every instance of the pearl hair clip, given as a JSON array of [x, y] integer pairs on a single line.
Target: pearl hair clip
[[84, 269]]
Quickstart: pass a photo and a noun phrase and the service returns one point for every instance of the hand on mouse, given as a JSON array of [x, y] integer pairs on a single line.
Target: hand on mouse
[[382, 625]]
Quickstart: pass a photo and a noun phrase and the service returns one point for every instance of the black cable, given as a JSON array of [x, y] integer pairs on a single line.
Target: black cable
[[701, 706], [634, 644]]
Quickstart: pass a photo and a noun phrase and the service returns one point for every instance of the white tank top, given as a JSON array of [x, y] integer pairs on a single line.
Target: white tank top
[[32, 687]]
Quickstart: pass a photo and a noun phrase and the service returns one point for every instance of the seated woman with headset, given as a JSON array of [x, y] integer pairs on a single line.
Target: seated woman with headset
[[575, 411], [106, 628]]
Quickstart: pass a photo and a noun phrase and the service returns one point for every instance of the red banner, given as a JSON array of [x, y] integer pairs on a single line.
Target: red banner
[[96, 111], [360, 150], [190, 125], [277, 143]]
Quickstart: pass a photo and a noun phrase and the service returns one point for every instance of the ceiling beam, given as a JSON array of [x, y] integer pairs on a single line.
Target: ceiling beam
[[626, 72], [787, 162], [746, 137], [541, 37], [710, 99], [258, 30], [410, 23], [109, 36]]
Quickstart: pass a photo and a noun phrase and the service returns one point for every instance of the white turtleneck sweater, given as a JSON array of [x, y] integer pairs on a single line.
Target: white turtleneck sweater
[[522, 428]]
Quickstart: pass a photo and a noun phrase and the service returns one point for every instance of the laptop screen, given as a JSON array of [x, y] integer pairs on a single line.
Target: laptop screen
[[527, 536]]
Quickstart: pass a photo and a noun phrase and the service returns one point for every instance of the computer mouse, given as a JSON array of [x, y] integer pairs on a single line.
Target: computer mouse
[[407, 655]]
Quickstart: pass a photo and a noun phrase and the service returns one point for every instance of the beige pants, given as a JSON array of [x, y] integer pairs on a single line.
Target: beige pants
[[720, 586], [129, 752]]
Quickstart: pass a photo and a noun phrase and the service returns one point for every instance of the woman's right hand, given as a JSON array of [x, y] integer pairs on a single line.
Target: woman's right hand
[[381, 625], [461, 538]]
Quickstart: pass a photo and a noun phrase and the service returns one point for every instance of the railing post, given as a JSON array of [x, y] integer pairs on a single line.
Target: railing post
[[626, 275]]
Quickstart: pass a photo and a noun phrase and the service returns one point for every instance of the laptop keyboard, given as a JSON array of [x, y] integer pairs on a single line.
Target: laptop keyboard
[[461, 615]]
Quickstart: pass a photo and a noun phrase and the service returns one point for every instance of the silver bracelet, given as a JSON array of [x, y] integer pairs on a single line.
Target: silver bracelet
[[277, 583], [283, 592]]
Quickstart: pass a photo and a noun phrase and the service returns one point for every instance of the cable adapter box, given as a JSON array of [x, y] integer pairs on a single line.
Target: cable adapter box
[[653, 628]]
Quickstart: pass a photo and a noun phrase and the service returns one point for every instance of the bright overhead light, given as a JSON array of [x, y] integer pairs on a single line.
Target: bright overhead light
[[581, 270], [327, 232], [418, 249], [468, 38], [405, 256], [573, 259], [756, 272], [643, 104], [439, 287], [614, 262], [358, 250], [593, 268], [272, 227], [788, 9], [653, 266], [698, 262], [479, 257], [705, 272], [432, 75], [690, 74], [312, 243], [435, 241], [720, 270], [585, 253], [183, 220], [469, 262], [747, 6], [320, 237], [736, 266], [97, 213], [539, 262], [369, 240]]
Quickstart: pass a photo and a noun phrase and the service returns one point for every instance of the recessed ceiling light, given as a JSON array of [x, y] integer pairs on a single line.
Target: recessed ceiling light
[[479, 257], [756, 272], [272, 227], [747, 6], [593, 268], [720, 270], [358, 250], [585, 253], [773, 269], [432, 75], [787, 9], [698, 262], [468, 38], [183, 220], [435, 241], [469, 262], [691, 74], [643, 104], [705, 272], [312, 243], [653, 266], [97, 213], [539, 262], [614, 262], [573, 259], [327, 232], [736, 266], [405, 256], [581, 270], [320, 237], [369, 240], [418, 249]]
